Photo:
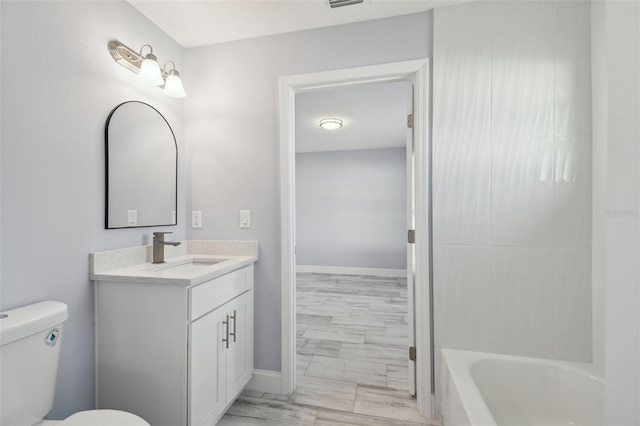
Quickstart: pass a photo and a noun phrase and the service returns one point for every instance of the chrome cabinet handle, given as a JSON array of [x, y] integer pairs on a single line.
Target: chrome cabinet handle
[[233, 317], [226, 324]]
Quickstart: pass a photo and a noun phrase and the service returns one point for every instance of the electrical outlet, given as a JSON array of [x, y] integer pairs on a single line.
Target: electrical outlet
[[196, 219]]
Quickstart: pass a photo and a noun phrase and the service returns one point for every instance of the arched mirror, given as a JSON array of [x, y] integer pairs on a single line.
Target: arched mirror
[[142, 165]]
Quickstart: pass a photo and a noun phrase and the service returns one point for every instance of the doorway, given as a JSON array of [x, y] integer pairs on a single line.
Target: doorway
[[416, 72], [351, 208]]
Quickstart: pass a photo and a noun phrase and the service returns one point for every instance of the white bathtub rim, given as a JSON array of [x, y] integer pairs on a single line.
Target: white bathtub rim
[[471, 398], [475, 408]]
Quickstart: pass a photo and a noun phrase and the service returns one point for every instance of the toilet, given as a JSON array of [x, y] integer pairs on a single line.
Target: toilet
[[30, 339]]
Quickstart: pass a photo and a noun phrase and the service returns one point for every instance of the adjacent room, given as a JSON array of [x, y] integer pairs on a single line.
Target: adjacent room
[[351, 218]]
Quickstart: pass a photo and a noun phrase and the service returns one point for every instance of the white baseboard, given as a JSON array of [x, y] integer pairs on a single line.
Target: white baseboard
[[343, 270], [265, 381]]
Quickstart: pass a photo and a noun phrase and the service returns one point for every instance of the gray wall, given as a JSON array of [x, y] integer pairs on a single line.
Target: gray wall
[[59, 83], [232, 133], [351, 208]]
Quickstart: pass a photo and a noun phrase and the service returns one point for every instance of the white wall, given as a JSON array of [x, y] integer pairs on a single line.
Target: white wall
[[351, 208], [59, 84], [232, 133], [512, 178], [616, 40]]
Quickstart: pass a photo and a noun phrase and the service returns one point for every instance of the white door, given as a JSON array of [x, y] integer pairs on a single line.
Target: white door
[[240, 352], [207, 353], [411, 252]]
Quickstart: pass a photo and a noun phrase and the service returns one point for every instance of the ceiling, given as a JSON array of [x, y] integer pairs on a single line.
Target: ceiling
[[374, 116], [199, 23]]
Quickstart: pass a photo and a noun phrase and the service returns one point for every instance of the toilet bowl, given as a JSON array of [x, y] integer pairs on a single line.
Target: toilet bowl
[[97, 418], [30, 339], [103, 418]]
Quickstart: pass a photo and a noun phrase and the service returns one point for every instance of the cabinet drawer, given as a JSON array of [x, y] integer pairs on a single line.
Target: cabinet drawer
[[208, 296]]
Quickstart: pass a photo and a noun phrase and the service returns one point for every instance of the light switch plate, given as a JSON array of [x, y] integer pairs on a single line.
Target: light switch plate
[[245, 219], [196, 219], [132, 217]]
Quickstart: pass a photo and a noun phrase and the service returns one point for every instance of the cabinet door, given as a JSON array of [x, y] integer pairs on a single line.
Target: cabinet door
[[240, 352], [207, 396]]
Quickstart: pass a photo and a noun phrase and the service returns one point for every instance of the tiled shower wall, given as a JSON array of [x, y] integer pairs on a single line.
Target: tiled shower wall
[[512, 178]]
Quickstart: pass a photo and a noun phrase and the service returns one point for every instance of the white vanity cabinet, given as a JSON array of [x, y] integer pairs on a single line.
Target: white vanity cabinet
[[174, 354], [220, 358]]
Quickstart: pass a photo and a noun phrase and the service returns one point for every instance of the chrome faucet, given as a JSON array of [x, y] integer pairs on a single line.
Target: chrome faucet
[[158, 246]]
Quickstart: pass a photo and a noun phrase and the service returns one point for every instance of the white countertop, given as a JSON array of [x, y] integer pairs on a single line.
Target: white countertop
[[148, 273], [132, 264]]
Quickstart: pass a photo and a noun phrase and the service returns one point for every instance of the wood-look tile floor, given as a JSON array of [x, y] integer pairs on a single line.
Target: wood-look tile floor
[[352, 358]]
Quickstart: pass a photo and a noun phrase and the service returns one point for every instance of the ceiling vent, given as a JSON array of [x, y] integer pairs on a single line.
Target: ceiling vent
[[341, 3]]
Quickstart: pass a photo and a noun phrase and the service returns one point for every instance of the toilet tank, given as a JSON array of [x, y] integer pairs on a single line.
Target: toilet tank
[[30, 339]]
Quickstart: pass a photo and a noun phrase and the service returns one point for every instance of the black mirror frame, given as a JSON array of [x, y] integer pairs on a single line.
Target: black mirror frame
[[106, 150]]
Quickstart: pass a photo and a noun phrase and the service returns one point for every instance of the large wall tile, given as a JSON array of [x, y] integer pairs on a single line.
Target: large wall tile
[[572, 79], [461, 193], [462, 21], [522, 192], [462, 75], [535, 171], [572, 191], [522, 84], [571, 12], [572, 282], [509, 15], [523, 304], [463, 298]]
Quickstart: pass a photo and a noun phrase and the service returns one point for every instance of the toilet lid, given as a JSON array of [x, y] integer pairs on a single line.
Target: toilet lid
[[103, 418]]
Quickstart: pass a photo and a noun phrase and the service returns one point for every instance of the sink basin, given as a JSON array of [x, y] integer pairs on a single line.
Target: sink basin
[[186, 265]]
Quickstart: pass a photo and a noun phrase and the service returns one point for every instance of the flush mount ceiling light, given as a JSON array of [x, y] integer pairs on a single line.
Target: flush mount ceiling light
[[330, 123], [148, 69]]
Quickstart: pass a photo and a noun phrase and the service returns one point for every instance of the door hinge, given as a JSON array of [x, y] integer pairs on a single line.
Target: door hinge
[[412, 353], [410, 121], [411, 236]]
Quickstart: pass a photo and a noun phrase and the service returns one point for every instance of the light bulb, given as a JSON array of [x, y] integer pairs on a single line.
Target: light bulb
[[173, 85], [150, 71]]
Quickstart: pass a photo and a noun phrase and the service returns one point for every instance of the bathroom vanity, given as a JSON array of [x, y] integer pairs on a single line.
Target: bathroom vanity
[[174, 341]]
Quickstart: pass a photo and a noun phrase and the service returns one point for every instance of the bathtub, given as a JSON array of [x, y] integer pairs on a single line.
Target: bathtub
[[482, 389]]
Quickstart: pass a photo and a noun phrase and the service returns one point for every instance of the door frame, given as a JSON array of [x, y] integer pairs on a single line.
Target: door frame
[[417, 72]]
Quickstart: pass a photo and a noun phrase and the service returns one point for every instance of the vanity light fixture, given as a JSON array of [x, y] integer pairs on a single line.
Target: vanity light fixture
[[330, 123], [148, 69]]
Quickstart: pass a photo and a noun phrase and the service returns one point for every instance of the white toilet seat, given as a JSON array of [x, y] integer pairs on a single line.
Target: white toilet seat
[[103, 418]]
